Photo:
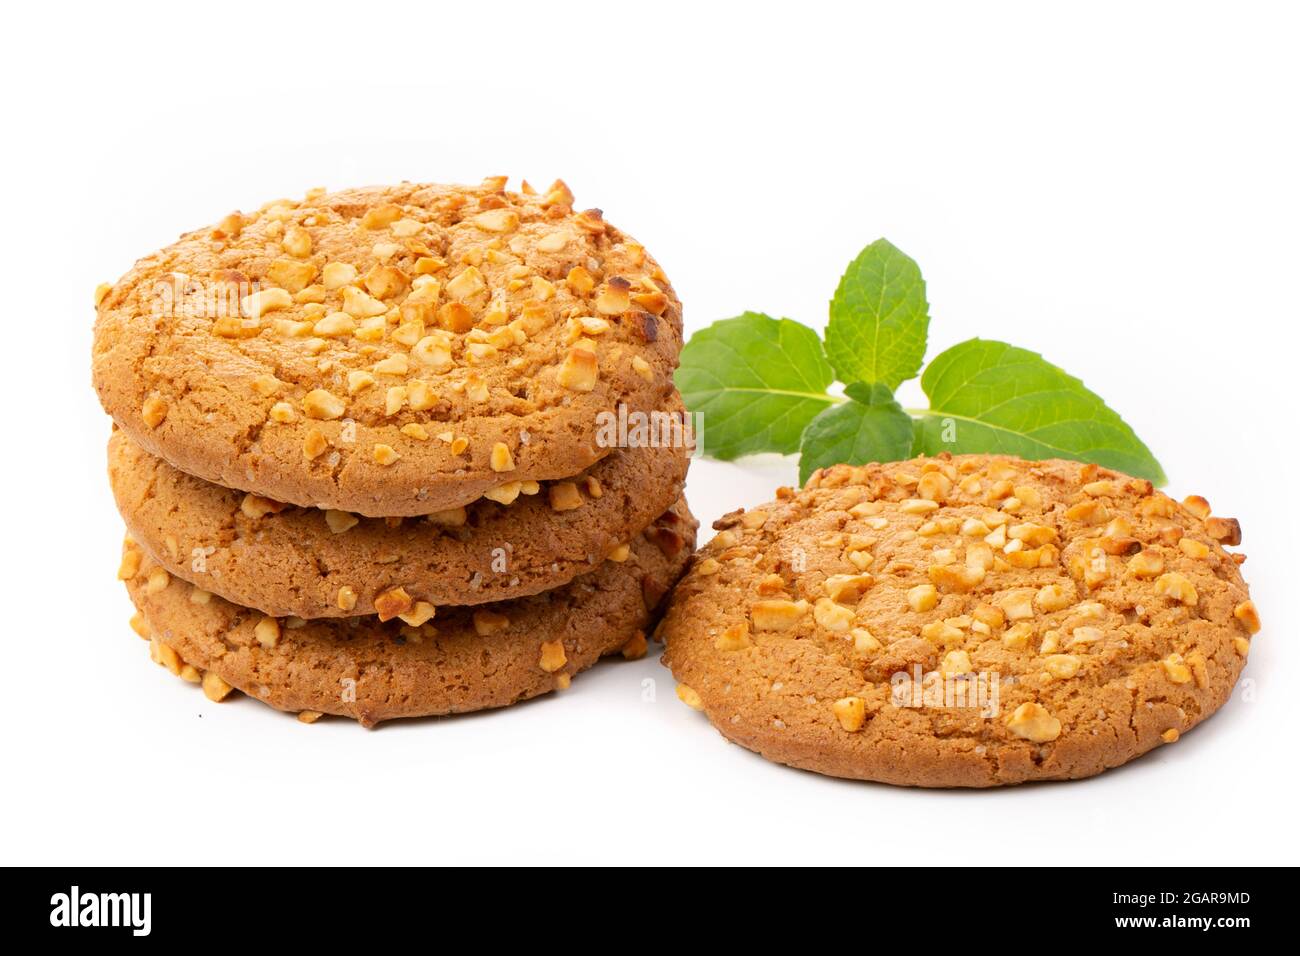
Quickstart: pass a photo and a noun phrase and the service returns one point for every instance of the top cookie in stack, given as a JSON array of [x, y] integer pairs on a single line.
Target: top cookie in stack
[[388, 351], [373, 407]]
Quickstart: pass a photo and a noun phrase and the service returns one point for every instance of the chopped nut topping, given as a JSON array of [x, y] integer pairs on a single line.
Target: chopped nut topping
[[346, 598], [255, 506], [336, 275], [922, 598], [392, 603], [564, 496], [1062, 666], [153, 411], [777, 615], [130, 565], [553, 656], [1176, 669], [1196, 550], [851, 712], [1146, 564], [1246, 613], [1017, 603], [918, 506], [322, 405], [314, 444], [157, 581], [385, 455], [1032, 722], [689, 697], [268, 300], [420, 613], [847, 588], [1054, 597], [1224, 530], [1170, 736], [1176, 586], [832, 616], [503, 460], [267, 632], [734, 638], [340, 521], [635, 648], [497, 220], [579, 370], [214, 688]]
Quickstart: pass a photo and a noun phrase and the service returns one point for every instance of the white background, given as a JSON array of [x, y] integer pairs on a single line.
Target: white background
[[1114, 186]]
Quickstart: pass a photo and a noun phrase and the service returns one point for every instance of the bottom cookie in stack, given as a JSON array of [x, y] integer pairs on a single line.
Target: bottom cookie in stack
[[465, 659]]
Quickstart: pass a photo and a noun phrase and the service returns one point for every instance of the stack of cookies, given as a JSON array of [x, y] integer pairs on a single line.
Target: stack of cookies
[[372, 452]]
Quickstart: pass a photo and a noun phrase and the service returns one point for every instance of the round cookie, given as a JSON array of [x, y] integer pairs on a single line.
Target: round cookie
[[391, 350], [463, 660], [965, 621], [311, 563]]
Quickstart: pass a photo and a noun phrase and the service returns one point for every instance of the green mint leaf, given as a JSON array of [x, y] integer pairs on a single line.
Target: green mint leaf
[[757, 381], [988, 396], [879, 318], [872, 427]]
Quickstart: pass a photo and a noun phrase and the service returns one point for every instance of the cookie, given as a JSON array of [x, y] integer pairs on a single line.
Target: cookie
[[465, 659], [286, 560], [965, 621], [388, 351]]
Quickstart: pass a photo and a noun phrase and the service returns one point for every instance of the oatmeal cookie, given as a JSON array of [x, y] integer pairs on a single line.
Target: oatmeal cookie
[[964, 621], [462, 659], [387, 351]]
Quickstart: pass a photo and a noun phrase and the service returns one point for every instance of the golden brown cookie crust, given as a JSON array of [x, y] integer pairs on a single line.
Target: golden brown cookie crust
[[1108, 616], [390, 350], [463, 660], [310, 563]]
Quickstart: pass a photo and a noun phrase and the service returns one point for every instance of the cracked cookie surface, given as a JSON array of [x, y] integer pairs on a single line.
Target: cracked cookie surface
[[464, 659], [286, 560], [387, 351], [962, 621]]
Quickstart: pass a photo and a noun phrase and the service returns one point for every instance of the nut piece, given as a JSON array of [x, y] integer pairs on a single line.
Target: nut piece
[[734, 638], [922, 598], [1054, 597], [777, 615], [214, 688], [502, 459], [579, 370], [847, 588], [153, 411], [340, 521], [553, 657], [1171, 735], [322, 405], [346, 599], [851, 712], [1176, 669], [689, 697], [1017, 604], [267, 632], [1174, 585], [1146, 564], [955, 662], [314, 444], [564, 496], [391, 603], [1224, 530], [1246, 613], [1032, 722], [385, 455], [489, 622], [130, 565], [833, 617], [1062, 666]]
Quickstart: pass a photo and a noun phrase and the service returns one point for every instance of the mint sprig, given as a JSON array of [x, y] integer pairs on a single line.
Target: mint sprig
[[757, 380], [762, 385]]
